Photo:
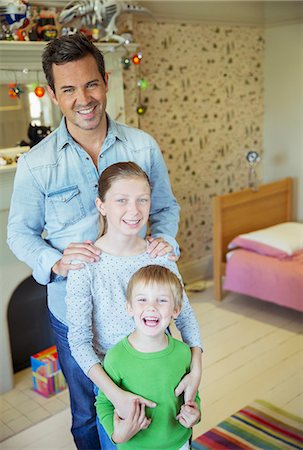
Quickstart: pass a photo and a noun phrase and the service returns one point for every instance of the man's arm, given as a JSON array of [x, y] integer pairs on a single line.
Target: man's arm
[[26, 224], [25, 227], [164, 213]]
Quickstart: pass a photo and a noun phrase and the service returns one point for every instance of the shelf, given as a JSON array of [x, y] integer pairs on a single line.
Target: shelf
[[16, 55]]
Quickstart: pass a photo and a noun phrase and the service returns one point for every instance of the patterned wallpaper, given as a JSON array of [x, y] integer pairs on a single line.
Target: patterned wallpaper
[[205, 109]]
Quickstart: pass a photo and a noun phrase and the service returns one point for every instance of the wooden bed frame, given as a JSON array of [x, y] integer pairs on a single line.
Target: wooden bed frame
[[245, 211]]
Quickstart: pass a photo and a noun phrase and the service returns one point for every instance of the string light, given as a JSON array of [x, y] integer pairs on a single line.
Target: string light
[[142, 83], [141, 110], [136, 59], [39, 91], [126, 62], [14, 90]]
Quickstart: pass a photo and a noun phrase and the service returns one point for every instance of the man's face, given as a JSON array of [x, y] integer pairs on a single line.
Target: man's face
[[80, 93]]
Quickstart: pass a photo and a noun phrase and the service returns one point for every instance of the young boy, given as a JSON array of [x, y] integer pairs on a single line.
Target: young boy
[[150, 363]]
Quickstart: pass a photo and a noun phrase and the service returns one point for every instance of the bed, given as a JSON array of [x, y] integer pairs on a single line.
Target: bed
[[264, 276]]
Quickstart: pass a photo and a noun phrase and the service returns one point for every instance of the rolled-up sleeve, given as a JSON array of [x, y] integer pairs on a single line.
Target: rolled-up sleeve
[[164, 213], [26, 224]]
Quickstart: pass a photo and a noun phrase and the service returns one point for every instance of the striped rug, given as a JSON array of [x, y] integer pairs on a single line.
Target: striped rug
[[260, 425]]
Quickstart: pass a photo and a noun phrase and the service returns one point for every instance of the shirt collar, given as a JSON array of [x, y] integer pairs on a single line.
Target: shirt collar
[[114, 131], [63, 135]]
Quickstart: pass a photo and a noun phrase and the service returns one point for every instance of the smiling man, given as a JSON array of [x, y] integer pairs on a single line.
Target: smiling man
[[55, 190]]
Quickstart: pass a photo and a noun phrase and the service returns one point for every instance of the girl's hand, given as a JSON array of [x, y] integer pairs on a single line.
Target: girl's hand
[[159, 247], [124, 403], [189, 414], [189, 385], [125, 429]]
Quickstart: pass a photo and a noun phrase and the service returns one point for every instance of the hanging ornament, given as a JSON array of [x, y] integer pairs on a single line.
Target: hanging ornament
[[31, 87], [143, 84], [39, 91], [136, 59], [141, 110], [126, 62], [14, 90]]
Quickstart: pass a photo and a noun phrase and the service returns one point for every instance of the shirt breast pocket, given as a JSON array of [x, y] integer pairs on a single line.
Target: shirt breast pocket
[[67, 204]]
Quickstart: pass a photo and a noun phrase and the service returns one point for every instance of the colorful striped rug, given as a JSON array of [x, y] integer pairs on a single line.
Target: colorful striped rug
[[260, 425]]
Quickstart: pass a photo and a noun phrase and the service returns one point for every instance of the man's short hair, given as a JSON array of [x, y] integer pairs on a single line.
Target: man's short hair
[[67, 49]]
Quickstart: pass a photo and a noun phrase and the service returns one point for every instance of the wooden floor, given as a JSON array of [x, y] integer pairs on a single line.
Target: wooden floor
[[253, 349]]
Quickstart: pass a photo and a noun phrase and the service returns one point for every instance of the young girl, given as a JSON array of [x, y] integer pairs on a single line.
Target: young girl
[[96, 313]]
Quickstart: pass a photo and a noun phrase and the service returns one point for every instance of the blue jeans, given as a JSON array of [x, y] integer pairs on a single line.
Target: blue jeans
[[104, 439], [81, 391]]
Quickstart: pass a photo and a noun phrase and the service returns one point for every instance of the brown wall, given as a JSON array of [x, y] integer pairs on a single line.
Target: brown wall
[[205, 108]]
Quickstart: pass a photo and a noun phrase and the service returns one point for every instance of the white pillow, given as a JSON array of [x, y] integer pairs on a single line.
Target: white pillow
[[287, 237]]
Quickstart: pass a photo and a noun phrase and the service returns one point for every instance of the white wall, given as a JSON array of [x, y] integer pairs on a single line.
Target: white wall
[[283, 119]]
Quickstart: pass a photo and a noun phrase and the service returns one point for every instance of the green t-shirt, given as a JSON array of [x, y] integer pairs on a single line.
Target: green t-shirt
[[154, 376]]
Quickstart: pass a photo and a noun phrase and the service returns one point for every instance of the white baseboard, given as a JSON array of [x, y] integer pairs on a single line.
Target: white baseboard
[[196, 270]]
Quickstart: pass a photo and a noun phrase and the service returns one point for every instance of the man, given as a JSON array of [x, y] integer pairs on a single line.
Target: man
[[55, 190]]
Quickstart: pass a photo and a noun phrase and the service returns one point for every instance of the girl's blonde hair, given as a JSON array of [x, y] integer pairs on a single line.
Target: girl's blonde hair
[[155, 274], [110, 175]]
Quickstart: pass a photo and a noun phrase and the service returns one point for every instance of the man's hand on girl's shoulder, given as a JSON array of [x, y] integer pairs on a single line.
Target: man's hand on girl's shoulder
[[84, 251], [159, 247]]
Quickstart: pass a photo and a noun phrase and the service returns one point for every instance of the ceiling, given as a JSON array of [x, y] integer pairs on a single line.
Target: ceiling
[[227, 12], [237, 12]]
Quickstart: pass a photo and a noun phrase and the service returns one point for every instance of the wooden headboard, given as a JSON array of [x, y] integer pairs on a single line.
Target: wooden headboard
[[245, 211]]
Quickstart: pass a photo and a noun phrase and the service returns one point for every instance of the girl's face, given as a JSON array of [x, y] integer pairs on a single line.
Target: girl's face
[[126, 206]]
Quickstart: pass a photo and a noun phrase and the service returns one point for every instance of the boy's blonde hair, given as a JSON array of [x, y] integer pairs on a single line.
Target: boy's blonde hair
[[155, 274]]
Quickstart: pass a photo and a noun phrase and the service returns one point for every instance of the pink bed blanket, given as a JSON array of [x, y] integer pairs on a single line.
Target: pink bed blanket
[[268, 278]]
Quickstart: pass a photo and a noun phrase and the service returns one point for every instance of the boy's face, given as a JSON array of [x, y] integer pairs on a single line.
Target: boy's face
[[152, 306]]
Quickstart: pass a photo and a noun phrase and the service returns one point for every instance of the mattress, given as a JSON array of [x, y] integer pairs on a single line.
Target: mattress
[[266, 277]]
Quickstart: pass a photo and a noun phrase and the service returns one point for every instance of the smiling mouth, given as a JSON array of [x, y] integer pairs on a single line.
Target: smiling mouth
[[151, 321], [132, 222], [86, 111]]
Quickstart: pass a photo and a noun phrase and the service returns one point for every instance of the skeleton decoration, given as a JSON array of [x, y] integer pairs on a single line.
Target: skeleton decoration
[[101, 14], [12, 7]]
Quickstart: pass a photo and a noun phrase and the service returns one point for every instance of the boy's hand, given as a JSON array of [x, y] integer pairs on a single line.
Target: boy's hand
[[125, 429], [189, 414]]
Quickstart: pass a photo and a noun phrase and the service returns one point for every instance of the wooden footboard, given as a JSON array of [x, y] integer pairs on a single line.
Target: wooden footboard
[[245, 211]]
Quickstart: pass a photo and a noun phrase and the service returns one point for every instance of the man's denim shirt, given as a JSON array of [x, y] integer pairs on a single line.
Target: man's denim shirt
[[55, 190]]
